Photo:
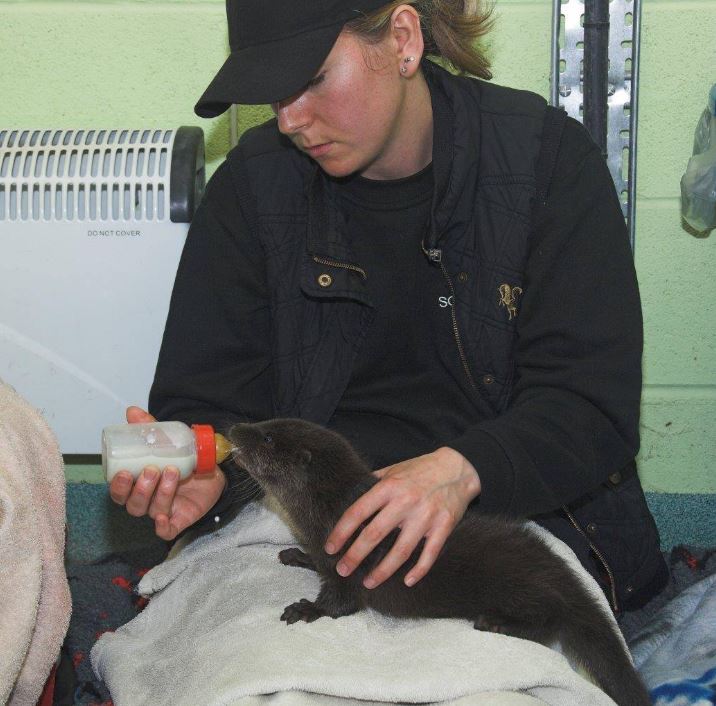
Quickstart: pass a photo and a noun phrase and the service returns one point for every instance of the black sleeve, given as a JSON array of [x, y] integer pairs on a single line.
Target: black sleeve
[[574, 412], [214, 361]]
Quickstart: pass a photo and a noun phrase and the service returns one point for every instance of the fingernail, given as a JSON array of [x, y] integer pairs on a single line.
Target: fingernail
[[409, 580], [171, 474], [330, 548], [369, 583], [151, 474], [342, 569]]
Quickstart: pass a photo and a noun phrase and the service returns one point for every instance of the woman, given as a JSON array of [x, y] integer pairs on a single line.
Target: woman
[[370, 260]]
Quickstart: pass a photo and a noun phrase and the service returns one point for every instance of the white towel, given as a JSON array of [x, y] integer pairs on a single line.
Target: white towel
[[211, 635], [35, 606]]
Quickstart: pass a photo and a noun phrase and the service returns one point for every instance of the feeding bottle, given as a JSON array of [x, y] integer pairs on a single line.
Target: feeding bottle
[[131, 447]]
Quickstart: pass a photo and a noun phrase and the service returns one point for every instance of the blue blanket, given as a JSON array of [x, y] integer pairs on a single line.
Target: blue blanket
[[675, 652]]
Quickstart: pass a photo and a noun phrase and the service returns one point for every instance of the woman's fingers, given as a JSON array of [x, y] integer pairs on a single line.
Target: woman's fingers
[[164, 528], [423, 497], [404, 545], [434, 542], [121, 487], [435, 534], [182, 514], [394, 505], [368, 504], [161, 503], [369, 538], [152, 493], [141, 496]]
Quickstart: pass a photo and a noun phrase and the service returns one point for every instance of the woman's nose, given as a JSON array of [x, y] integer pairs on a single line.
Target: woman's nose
[[292, 114]]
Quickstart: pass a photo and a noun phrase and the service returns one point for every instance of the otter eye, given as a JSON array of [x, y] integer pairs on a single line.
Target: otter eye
[[268, 438]]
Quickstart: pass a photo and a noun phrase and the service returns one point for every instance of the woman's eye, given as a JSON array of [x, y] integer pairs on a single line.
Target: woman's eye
[[268, 438]]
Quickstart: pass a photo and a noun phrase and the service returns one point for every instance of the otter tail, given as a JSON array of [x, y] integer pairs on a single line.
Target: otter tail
[[591, 641]]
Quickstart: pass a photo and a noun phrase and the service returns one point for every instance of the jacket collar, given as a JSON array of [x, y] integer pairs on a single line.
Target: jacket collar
[[455, 134]]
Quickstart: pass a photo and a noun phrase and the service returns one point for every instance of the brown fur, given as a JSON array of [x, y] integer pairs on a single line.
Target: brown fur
[[492, 571]]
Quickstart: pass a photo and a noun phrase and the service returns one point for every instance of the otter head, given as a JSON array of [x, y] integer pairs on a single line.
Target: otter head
[[272, 453], [305, 467]]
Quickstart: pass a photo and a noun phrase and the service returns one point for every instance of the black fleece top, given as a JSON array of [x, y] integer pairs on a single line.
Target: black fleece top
[[402, 401]]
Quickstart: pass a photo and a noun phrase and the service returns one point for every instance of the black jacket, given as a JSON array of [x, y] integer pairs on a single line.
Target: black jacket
[[547, 316]]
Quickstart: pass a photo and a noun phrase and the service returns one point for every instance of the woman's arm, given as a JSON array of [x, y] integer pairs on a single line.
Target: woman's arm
[[213, 365], [573, 416], [214, 360], [574, 411]]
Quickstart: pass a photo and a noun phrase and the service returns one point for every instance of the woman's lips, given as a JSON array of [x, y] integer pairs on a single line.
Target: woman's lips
[[318, 150]]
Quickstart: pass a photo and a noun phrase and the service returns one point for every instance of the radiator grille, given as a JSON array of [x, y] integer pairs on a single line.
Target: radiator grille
[[79, 175]]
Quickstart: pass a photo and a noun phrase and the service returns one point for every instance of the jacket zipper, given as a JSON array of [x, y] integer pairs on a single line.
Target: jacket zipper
[[455, 329], [465, 365], [599, 555], [344, 265]]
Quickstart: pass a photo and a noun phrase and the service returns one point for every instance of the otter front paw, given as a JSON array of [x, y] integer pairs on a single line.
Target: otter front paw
[[295, 557], [303, 610]]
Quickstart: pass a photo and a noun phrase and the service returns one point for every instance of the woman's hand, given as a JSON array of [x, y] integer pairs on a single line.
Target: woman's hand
[[174, 505], [425, 497]]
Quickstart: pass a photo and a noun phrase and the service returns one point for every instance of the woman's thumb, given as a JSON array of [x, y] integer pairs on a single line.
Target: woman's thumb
[[136, 415]]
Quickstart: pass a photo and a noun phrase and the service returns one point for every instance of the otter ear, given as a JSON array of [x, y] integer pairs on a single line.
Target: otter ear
[[305, 457]]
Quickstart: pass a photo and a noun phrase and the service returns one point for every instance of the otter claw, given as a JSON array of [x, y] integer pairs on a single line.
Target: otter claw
[[302, 610], [482, 623]]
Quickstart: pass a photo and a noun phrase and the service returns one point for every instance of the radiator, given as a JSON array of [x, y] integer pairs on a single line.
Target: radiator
[[92, 224]]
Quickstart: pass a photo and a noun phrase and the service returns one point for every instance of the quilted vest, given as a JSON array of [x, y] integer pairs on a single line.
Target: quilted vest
[[486, 143], [480, 230]]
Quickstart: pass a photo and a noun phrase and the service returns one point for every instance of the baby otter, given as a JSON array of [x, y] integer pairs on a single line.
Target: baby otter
[[494, 572]]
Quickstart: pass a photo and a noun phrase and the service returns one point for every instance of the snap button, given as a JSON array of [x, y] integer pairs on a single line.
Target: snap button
[[615, 478], [462, 277], [325, 280], [488, 379], [592, 528]]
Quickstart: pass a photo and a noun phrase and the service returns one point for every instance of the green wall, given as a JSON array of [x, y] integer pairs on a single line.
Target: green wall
[[144, 63]]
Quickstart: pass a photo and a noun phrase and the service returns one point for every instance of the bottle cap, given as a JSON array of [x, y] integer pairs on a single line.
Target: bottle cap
[[205, 448]]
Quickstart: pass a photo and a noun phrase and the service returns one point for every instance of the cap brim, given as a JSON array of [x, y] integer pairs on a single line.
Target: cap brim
[[268, 72]]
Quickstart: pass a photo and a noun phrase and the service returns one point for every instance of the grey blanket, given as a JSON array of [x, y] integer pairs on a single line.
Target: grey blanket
[[211, 635]]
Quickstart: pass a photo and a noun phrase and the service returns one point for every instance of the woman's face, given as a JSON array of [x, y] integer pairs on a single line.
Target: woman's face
[[352, 117]]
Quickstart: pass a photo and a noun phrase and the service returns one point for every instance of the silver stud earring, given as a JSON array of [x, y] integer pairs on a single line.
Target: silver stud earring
[[407, 60]]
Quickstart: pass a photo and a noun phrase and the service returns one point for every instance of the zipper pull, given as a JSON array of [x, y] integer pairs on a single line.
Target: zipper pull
[[435, 254]]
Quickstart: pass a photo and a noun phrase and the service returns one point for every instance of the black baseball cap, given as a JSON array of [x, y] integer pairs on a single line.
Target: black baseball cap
[[277, 46]]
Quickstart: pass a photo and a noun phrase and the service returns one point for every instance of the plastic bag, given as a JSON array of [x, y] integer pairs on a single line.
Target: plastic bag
[[698, 185]]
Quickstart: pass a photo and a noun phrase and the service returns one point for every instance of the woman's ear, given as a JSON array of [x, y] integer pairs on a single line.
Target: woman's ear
[[407, 37]]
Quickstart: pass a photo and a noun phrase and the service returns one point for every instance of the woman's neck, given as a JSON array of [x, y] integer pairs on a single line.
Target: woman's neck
[[412, 148]]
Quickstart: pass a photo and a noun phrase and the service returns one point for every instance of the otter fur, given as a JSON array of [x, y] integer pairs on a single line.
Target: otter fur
[[493, 571]]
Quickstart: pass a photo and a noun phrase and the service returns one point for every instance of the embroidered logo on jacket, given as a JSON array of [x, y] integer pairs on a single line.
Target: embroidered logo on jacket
[[508, 298]]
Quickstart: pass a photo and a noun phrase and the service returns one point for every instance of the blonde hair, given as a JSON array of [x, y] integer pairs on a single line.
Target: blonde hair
[[450, 28]]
